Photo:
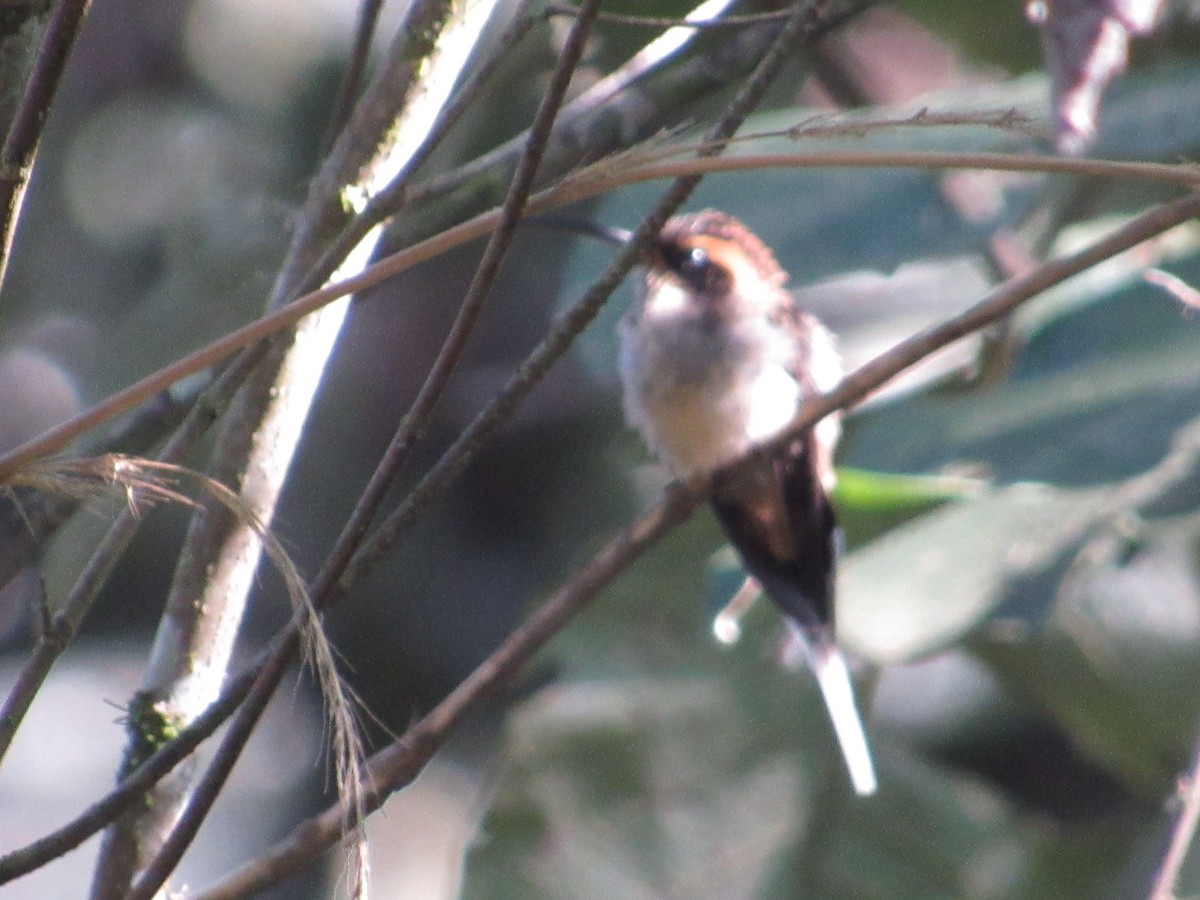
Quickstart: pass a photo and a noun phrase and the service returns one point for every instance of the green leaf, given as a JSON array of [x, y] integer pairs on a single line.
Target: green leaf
[[926, 585], [1116, 663], [963, 839], [636, 788], [658, 786], [871, 503], [868, 491]]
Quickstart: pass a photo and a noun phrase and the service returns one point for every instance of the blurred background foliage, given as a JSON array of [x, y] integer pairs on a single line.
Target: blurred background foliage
[[1025, 612]]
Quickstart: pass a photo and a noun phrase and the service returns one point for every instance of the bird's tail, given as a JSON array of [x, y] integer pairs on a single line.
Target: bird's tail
[[828, 665]]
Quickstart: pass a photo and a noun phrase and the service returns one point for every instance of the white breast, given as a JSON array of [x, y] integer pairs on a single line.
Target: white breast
[[702, 399]]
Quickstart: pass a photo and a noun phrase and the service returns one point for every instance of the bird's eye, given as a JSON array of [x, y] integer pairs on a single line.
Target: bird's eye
[[695, 267], [695, 261]]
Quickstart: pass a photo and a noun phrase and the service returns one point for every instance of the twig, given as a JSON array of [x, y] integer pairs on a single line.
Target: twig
[[563, 9], [858, 81], [398, 764], [1175, 287], [832, 126], [997, 303], [798, 25], [663, 49], [55, 439], [1182, 834], [1140, 492], [259, 437], [67, 621], [343, 105], [584, 185], [417, 418], [28, 518], [25, 134], [213, 780], [1186, 175]]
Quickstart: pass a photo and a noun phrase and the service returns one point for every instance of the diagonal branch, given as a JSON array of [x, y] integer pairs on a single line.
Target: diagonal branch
[[69, 618], [417, 418], [330, 585], [1182, 835], [25, 132], [259, 437], [352, 78], [411, 428], [998, 303], [807, 22], [582, 186], [398, 764]]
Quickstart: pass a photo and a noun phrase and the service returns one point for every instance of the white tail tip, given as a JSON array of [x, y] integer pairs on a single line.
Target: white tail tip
[[837, 690]]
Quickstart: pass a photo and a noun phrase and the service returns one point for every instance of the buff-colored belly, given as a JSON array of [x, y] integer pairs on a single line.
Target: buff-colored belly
[[698, 427]]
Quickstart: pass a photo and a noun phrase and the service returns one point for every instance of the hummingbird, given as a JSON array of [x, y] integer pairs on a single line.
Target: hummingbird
[[716, 359]]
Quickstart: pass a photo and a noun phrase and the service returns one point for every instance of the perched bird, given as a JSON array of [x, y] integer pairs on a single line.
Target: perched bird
[[716, 359]]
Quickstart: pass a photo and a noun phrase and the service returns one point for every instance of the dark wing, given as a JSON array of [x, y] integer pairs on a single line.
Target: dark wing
[[778, 516]]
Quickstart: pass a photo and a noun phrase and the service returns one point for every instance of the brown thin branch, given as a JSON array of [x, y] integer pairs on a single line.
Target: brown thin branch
[[28, 518], [582, 186], [415, 421], [1185, 175], [399, 763], [231, 746], [62, 628], [396, 765], [25, 134], [410, 430], [352, 78], [55, 439], [1182, 835], [563, 9], [998, 303]]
